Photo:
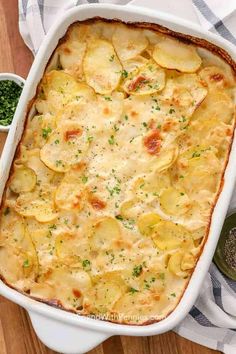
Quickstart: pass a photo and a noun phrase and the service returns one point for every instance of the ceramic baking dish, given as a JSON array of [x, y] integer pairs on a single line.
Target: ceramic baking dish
[[63, 331]]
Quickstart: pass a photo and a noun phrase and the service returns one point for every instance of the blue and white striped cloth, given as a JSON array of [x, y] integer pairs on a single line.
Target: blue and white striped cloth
[[212, 320]]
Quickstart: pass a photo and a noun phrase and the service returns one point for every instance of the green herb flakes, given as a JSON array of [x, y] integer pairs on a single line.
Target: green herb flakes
[[111, 140], [46, 132], [26, 264], [9, 96], [86, 264], [132, 290], [137, 270]]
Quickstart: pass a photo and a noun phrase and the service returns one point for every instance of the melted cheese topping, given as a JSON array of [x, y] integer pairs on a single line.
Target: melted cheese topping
[[110, 197]]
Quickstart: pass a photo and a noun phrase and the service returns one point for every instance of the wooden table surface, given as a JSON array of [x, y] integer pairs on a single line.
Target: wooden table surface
[[16, 333]]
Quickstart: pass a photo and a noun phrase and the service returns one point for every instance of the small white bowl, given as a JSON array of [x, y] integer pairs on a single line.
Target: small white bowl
[[19, 81]]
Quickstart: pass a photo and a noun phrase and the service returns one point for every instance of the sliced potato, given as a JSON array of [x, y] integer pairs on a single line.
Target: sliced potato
[[106, 292], [59, 81], [38, 204], [166, 158], [59, 89], [70, 196], [132, 64], [14, 233], [174, 265], [110, 110], [182, 95], [127, 208], [17, 266], [167, 235], [148, 305], [104, 232], [216, 77], [198, 162], [65, 147], [12, 228], [217, 105], [174, 201], [45, 176], [23, 179], [146, 222], [149, 187], [71, 56], [198, 180], [173, 54], [145, 80], [70, 296], [129, 42], [67, 246], [101, 66], [44, 244], [188, 261]]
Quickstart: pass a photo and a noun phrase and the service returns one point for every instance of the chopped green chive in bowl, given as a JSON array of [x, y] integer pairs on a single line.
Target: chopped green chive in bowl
[[10, 93]]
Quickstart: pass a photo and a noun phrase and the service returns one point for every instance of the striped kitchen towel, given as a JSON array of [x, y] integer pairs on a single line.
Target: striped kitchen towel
[[212, 320]]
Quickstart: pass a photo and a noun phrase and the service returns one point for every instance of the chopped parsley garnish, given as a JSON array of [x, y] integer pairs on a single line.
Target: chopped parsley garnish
[[196, 154], [86, 264], [182, 119], [137, 270], [144, 124], [132, 290], [124, 74], [129, 224], [52, 227], [58, 163], [26, 264], [90, 139], [46, 132], [173, 294], [84, 179], [111, 140], [114, 190], [171, 110], [119, 217], [9, 96], [181, 193], [107, 98], [57, 141], [112, 57], [116, 128], [126, 117]]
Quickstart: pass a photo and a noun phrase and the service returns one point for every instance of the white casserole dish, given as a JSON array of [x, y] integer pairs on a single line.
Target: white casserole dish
[[63, 331]]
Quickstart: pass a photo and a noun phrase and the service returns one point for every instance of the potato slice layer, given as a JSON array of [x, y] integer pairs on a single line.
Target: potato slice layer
[[181, 263], [70, 196], [166, 158], [38, 204], [23, 180], [217, 105], [129, 43], [167, 235], [145, 80], [173, 54], [102, 67], [174, 201], [104, 232], [65, 147], [146, 223]]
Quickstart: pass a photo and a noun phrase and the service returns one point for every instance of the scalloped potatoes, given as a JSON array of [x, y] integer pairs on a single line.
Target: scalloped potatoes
[[110, 196]]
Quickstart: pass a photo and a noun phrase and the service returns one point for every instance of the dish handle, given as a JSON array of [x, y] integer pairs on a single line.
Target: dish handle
[[65, 338]]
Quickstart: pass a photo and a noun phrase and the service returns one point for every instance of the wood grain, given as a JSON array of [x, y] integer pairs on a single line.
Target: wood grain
[[16, 333]]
